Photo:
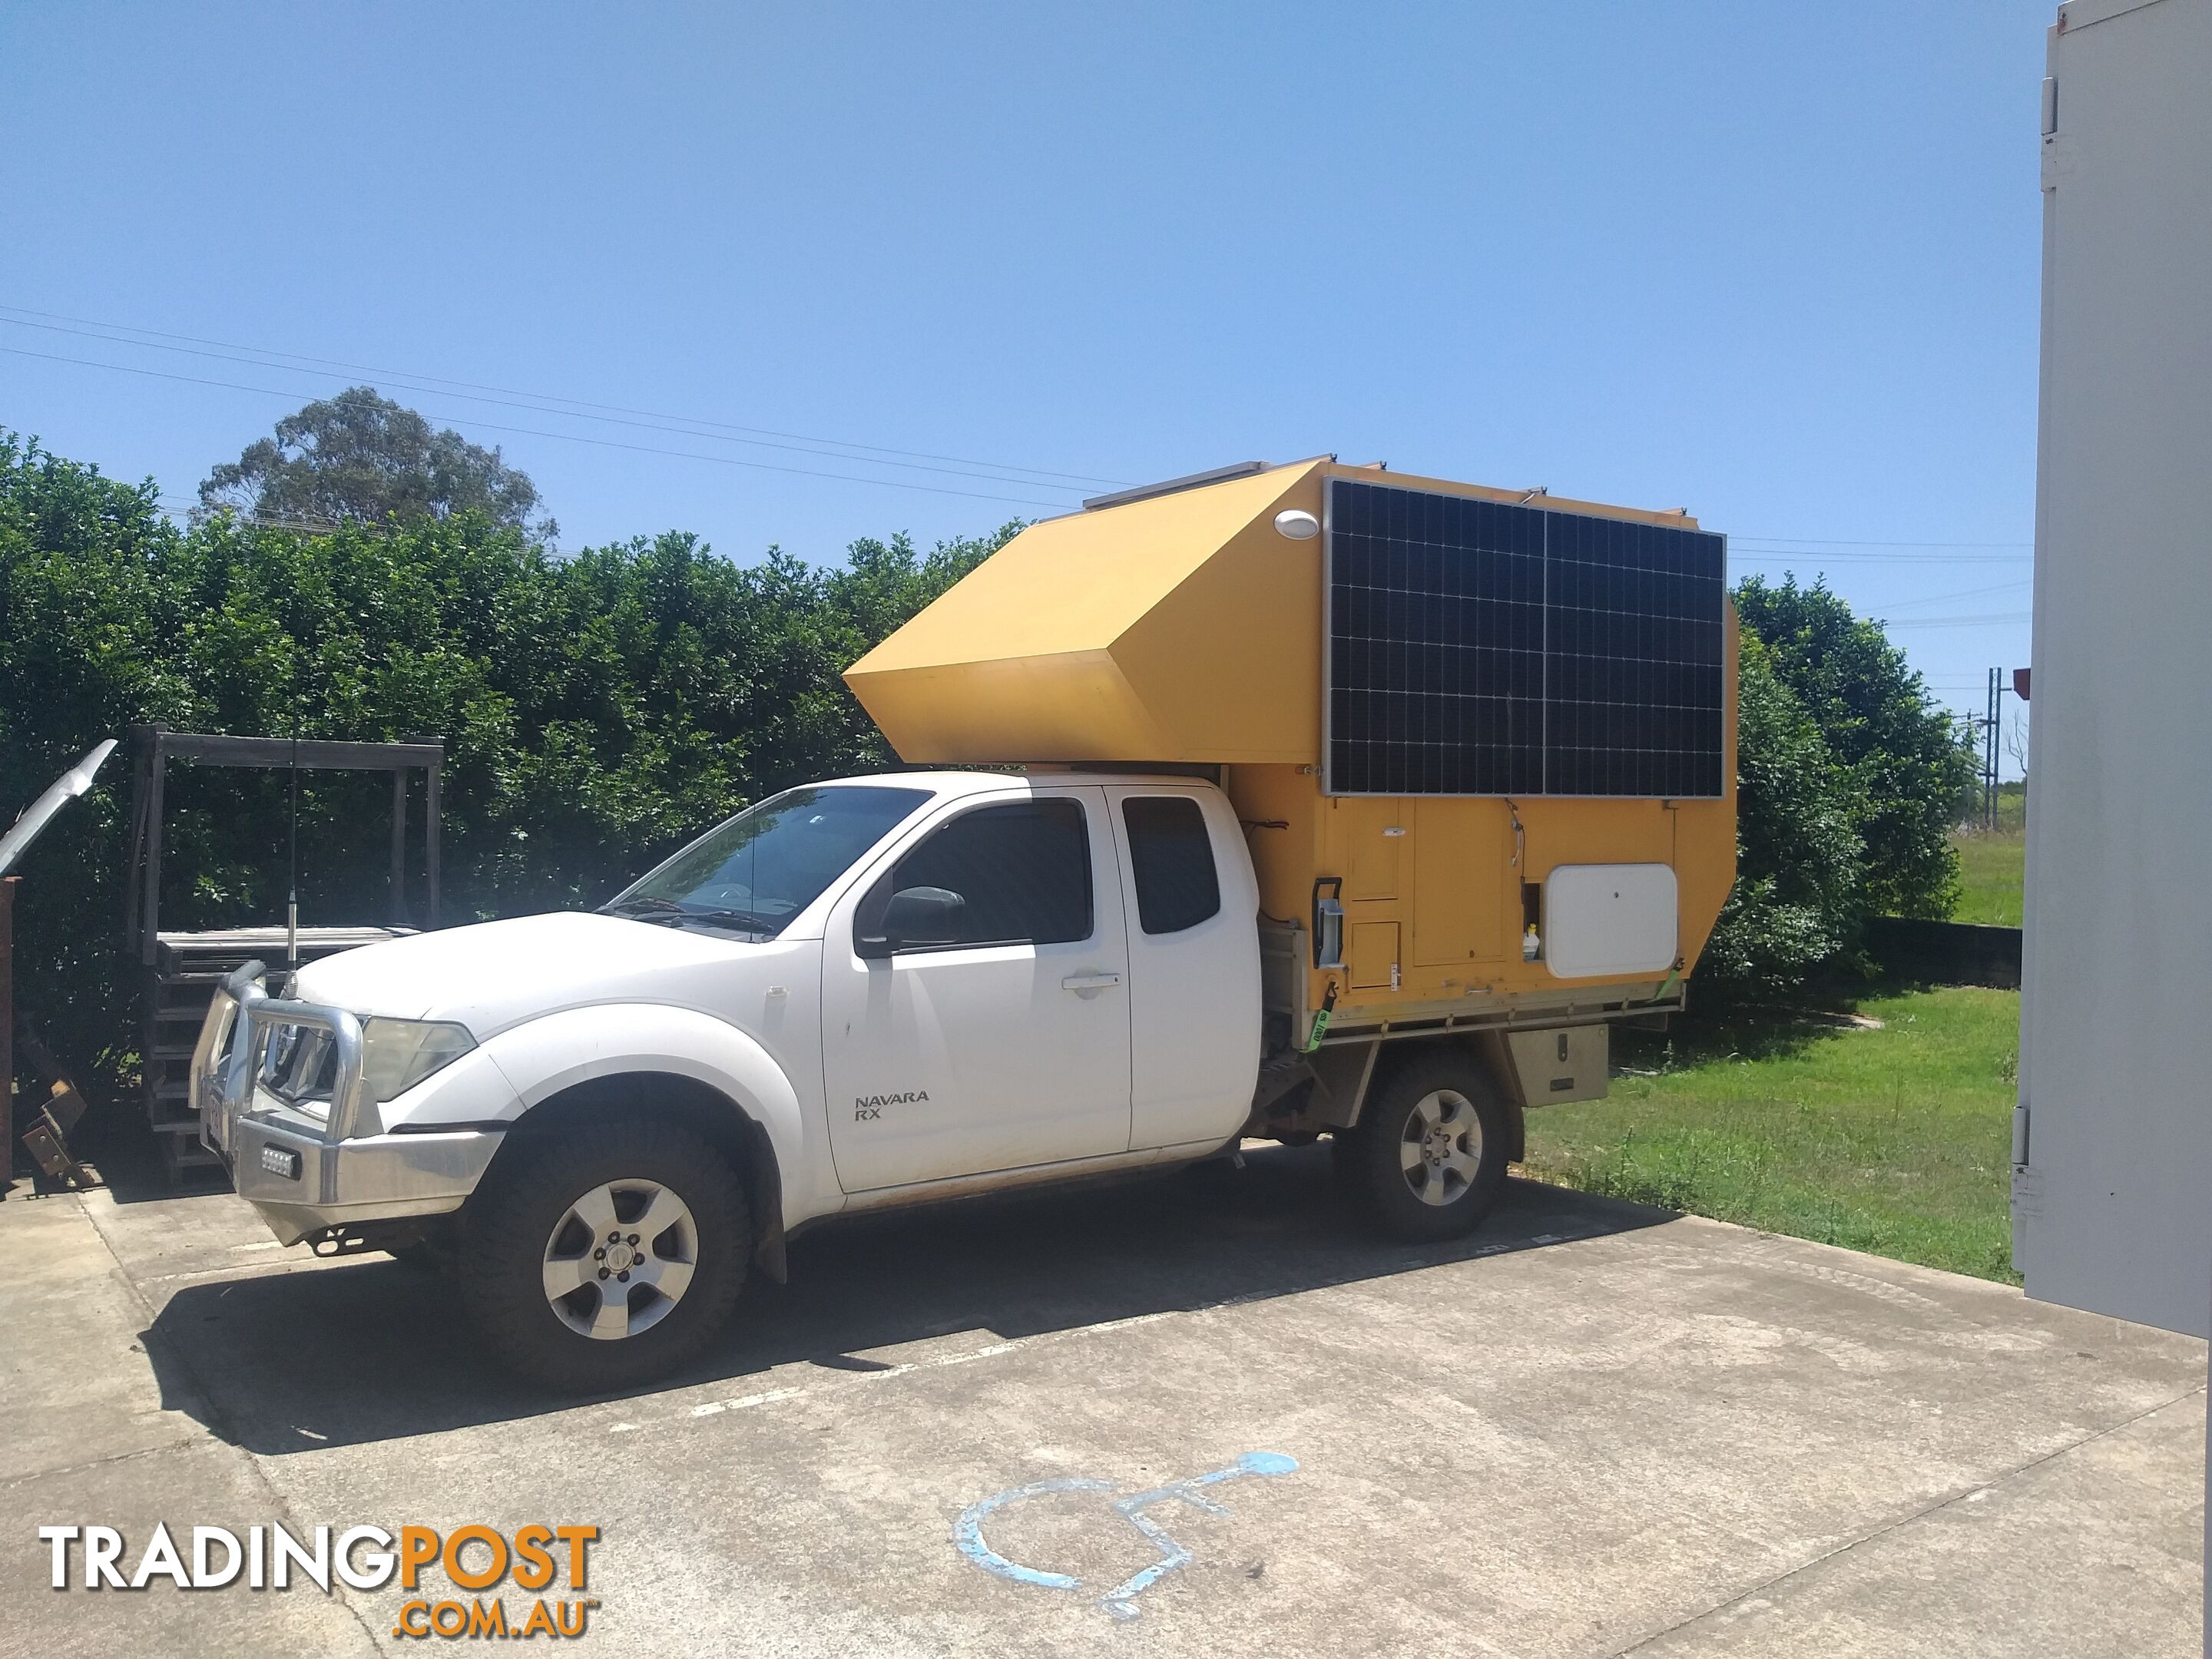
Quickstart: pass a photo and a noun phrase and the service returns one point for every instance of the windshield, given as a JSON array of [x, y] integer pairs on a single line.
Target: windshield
[[753, 874]]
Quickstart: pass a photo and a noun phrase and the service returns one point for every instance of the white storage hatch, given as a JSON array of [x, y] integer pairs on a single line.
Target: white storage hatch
[[1609, 919]]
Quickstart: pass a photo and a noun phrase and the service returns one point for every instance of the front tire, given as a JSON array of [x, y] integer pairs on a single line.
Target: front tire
[[607, 1254], [1427, 1160]]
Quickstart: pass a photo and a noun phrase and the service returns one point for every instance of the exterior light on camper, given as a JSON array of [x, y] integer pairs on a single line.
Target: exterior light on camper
[[1297, 526]]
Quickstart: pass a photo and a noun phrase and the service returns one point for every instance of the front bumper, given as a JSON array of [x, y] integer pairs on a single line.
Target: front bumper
[[376, 1178], [307, 1175]]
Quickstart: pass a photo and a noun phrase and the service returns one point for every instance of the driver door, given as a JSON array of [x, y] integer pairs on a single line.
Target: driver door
[[1008, 1048]]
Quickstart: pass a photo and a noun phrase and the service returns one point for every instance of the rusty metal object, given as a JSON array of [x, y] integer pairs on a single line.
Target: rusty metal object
[[46, 1132], [48, 1138]]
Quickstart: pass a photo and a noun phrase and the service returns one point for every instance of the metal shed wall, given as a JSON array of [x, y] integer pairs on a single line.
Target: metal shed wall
[[2113, 1145]]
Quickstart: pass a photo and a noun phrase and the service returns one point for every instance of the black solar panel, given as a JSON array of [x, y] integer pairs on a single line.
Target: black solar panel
[[1479, 648]]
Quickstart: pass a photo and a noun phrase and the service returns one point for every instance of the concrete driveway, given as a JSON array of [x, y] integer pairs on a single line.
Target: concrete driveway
[[1591, 1430]]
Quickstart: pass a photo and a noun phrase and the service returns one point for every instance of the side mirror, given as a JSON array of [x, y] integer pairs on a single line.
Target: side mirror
[[923, 915]]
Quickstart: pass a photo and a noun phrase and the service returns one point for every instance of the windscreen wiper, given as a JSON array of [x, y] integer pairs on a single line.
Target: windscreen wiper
[[667, 911], [641, 906], [745, 920]]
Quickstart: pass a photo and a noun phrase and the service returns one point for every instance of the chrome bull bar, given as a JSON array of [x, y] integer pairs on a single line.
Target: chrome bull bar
[[314, 1172], [228, 1066]]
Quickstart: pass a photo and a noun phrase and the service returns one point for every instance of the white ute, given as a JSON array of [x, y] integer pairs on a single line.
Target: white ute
[[1329, 864], [859, 993]]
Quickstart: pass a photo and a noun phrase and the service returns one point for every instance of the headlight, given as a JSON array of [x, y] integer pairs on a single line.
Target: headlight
[[396, 1055]]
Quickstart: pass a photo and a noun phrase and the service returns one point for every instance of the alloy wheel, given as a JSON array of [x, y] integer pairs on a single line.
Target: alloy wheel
[[620, 1258], [1440, 1147]]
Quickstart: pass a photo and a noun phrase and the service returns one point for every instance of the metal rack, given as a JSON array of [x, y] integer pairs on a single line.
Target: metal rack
[[181, 970]]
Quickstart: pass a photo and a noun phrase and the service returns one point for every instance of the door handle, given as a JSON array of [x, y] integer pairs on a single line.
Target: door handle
[[1089, 982]]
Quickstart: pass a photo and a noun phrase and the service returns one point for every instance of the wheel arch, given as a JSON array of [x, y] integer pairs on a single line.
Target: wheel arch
[[1484, 1054], [698, 1106], [1345, 1074], [586, 1063]]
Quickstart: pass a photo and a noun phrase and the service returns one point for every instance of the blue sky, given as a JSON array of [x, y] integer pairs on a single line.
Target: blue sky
[[1775, 264]]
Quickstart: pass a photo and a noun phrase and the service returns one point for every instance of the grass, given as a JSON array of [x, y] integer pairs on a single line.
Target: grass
[[1896, 1141], [1992, 863], [1991, 866]]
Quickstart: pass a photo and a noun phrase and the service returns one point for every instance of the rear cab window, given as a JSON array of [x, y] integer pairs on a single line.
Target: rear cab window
[[1171, 862]]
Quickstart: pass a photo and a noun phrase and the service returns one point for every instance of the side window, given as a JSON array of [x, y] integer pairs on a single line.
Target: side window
[[1024, 869], [1171, 859]]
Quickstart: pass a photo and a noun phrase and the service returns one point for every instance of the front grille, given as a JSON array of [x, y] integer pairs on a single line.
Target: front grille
[[299, 1066]]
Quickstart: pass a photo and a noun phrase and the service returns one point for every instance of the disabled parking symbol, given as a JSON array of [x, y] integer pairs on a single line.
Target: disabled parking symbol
[[1120, 1601]]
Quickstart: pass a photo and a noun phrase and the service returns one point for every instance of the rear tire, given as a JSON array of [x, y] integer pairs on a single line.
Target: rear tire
[[606, 1254], [1426, 1161]]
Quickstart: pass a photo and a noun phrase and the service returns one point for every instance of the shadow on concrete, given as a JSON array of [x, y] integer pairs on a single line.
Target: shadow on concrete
[[294, 1362]]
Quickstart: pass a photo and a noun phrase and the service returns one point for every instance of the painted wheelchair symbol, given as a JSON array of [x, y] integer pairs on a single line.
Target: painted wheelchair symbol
[[1120, 1601]]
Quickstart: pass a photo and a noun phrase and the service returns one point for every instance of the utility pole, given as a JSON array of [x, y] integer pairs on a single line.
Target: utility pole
[[1991, 748], [1973, 735]]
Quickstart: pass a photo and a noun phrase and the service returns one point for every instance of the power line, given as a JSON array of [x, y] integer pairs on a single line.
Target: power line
[[401, 381], [1749, 549], [173, 504], [1959, 593], [565, 437], [176, 507], [1805, 541], [408, 385], [1739, 555], [452, 387]]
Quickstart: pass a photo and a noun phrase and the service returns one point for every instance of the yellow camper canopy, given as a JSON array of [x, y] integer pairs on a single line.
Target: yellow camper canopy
[[1183, 626]]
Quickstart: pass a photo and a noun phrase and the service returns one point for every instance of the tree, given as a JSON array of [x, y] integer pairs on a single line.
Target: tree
[[1902, 753], [2014, 739], [359, 458], [1798, 853]]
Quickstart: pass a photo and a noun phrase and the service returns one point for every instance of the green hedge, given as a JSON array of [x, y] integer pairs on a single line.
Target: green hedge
[[597, 710]]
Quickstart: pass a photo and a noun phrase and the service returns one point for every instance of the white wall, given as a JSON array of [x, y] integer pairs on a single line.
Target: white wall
[[2113, 1210]]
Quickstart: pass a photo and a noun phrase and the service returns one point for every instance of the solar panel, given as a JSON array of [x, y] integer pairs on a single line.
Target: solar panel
[[1481, 648]]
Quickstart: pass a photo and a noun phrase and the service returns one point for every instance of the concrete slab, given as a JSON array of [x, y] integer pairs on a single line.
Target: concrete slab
[[2115, 1568], [203, 1484], [175, 1239], [1590, 1430], [73, 1368]]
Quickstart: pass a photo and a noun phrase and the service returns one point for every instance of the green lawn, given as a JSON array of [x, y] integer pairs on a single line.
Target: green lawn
[[1992, 863], [1897, 1141]]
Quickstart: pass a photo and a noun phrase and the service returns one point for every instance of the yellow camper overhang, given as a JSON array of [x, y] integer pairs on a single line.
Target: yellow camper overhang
[[1182, 628]]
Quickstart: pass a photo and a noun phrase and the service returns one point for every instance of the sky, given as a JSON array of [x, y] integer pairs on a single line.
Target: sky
[[793, 275]]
